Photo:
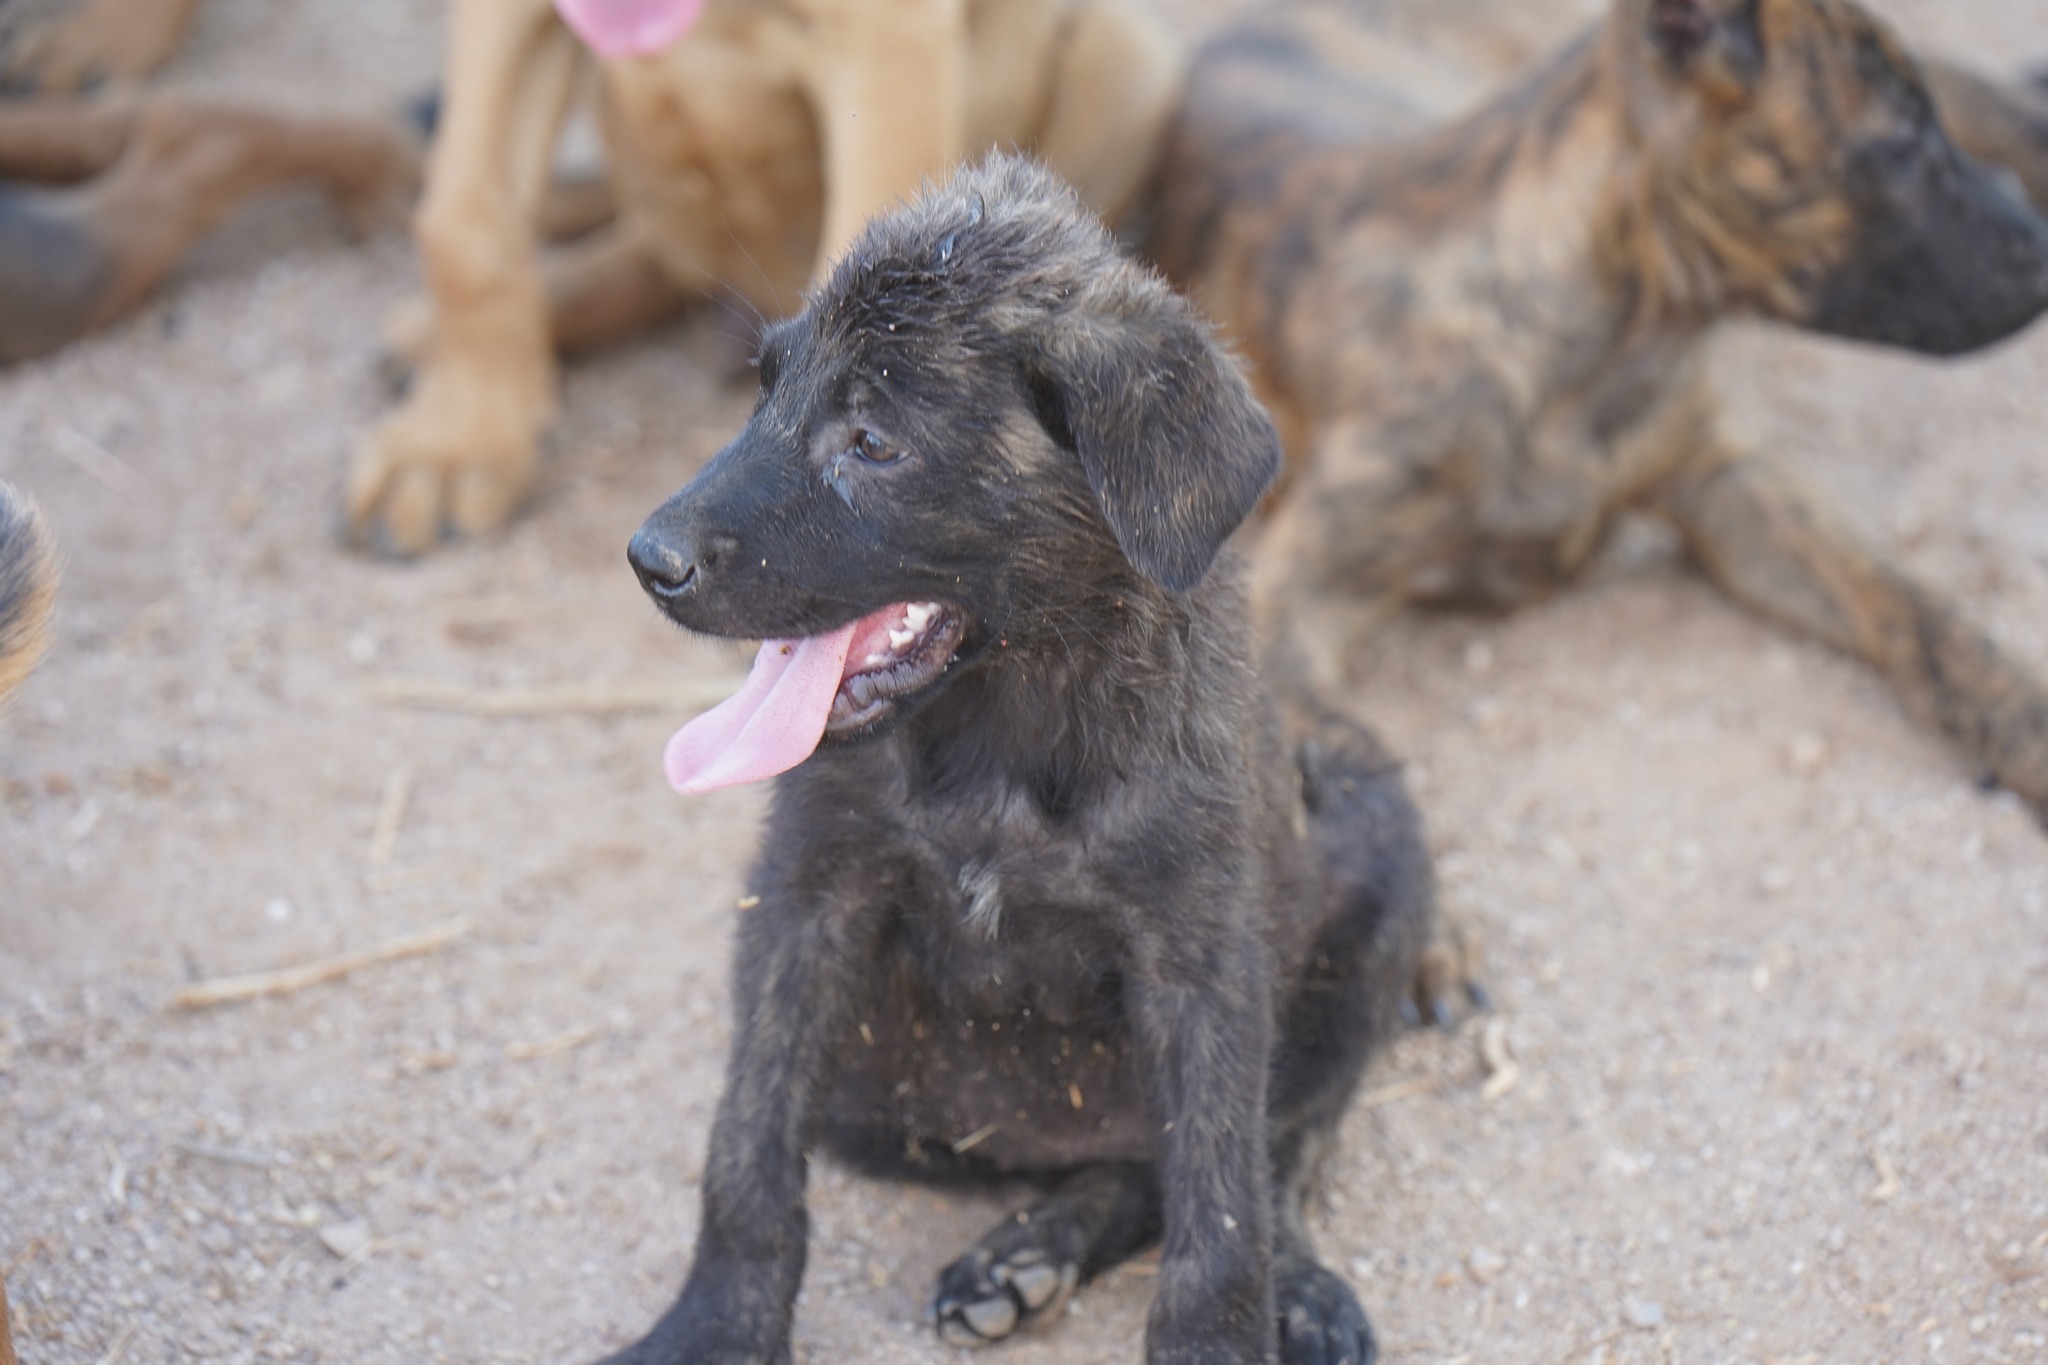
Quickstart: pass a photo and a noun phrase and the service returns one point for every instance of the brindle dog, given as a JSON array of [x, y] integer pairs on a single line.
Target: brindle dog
[[1056, 898], [1484, 341], [28, 582]]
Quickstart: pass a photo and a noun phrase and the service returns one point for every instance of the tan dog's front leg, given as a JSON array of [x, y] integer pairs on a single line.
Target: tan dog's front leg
[[100, 40], [883, 134], [1775, 550], [464, 447]]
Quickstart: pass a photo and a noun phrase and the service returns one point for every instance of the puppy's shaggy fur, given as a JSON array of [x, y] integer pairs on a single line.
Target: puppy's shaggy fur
[[1059, 896]]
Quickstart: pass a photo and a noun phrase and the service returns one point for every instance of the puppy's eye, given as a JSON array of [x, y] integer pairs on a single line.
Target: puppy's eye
[[769, 363], [873, 449]]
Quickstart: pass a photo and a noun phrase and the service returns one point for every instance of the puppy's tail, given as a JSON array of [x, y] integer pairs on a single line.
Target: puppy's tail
[[28, 586]]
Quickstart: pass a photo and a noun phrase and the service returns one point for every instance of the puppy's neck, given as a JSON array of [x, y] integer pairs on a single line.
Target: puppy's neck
[[1085, 690], [1678, 237], [1550, 240]]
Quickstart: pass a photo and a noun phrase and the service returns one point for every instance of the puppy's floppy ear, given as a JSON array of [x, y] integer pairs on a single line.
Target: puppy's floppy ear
[[1715, 45], [1173, 443]]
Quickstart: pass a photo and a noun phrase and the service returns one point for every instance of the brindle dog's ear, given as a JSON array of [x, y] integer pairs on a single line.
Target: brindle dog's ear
[[1713, 44], [1174, 445]]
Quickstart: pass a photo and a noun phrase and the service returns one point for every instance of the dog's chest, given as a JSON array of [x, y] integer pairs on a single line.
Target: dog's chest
[[1009, 917]]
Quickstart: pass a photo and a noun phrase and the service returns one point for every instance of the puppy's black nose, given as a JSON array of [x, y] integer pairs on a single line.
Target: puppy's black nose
[[664, 570]]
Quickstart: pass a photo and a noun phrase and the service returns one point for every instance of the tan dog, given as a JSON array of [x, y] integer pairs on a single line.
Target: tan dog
[[1484, 341], [743, 155]]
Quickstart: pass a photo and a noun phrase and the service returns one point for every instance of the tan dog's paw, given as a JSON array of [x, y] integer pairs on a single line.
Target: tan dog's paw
[[1448, 987], [461, 454]]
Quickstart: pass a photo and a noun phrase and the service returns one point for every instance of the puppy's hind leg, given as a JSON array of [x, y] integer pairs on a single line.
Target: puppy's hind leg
[[1773, 549], [1027, 1265], [1379, 894]]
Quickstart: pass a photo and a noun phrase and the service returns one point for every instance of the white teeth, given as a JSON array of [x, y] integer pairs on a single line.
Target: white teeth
[[878, 657], [919, 614], [899, 640]]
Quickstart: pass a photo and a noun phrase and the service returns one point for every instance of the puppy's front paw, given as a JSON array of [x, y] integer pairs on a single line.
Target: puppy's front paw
[[1013, 1278], [1321, 1322]]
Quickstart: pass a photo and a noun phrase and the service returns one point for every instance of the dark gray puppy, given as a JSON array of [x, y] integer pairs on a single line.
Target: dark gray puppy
[[1057, 896]]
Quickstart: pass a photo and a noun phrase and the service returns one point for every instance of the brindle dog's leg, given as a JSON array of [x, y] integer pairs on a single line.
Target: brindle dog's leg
[[76, 259], [1777, 551], [1028, 1264]]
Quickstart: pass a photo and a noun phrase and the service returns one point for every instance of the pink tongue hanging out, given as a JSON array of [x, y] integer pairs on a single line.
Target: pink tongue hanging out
[[768, 726], [777, 718], [629, 28]]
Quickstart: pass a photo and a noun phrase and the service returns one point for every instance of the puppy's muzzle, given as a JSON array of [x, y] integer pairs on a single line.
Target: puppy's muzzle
[[670, 569]]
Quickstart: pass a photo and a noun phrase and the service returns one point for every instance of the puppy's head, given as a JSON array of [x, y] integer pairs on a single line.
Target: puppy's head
[[984, 417], [1797, 168]]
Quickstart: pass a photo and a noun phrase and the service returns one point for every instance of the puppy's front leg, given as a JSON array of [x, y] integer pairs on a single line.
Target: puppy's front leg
[[797, 973], [1201, 1016]]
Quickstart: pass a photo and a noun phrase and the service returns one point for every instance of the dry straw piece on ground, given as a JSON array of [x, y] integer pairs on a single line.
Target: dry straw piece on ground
[[288, 980]]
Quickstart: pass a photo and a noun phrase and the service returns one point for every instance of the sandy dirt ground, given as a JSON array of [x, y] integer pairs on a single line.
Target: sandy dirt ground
[[1773, 971]]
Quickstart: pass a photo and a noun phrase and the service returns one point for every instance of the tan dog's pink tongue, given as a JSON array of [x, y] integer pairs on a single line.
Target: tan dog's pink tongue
[[629, 28], [771, 724]]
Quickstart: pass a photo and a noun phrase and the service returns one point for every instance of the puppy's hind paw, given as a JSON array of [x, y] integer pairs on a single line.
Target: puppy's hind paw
[[1321, 1322], [1448, 988], [993, 1290]]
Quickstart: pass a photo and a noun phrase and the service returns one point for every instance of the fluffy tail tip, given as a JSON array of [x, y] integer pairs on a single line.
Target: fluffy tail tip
[[28, 585]]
